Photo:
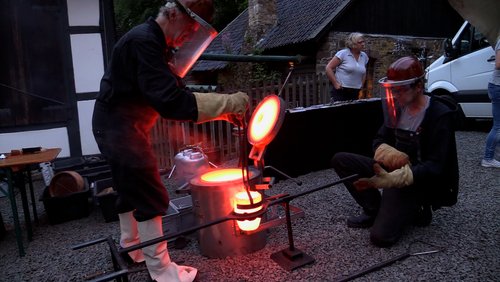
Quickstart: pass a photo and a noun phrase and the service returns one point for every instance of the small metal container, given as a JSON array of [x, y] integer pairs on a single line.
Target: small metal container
[[190, 163]]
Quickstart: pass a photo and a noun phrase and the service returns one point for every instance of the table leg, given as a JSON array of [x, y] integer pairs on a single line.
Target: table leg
[[17, 225], [24, 199], [33, 201]]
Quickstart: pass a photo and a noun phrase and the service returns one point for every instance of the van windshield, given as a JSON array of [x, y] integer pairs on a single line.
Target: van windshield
[[470, 40]]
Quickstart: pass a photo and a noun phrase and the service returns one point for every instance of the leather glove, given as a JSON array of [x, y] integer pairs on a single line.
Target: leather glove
[[390, 157], [228, 107], [398, 178]]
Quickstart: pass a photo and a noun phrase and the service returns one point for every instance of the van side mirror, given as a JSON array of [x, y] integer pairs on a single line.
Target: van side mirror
[[450, 52]]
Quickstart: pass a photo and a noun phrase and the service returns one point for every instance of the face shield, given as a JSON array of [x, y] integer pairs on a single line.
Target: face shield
[[192, 43], [398, 94]]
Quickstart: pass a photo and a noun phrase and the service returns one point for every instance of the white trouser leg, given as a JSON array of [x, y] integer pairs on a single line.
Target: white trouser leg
[[157, 258], [129, 235]]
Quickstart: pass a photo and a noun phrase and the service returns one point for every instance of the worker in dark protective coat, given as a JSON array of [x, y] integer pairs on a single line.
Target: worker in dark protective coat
[[141, 83], [415, 162]]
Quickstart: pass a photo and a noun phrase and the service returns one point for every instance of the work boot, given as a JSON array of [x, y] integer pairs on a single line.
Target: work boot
[[160, 268], [423, 217], [129, 236], [361, 221]]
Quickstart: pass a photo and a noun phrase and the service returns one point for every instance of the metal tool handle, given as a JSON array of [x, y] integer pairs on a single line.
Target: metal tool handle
[[375, 267], [183, 189]]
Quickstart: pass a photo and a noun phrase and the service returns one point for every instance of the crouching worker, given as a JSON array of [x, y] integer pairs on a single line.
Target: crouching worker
[[141, 83], [415, 162]]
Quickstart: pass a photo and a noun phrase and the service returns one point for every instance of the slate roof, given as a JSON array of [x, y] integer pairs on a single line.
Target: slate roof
[[298, 21], [301, 20], [228, 41]]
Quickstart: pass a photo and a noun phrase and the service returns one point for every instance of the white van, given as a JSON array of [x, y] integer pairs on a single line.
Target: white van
[[463, 72]]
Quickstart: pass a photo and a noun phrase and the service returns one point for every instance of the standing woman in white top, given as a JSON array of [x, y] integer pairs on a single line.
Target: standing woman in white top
[[347, 69]]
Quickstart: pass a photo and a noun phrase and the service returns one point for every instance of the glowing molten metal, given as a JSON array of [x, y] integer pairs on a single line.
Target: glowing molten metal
[[223, 175], [241, 198], [264, 119]]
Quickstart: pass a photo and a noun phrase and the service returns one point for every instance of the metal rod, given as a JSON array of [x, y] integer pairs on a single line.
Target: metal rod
[[90, 243], [166, 237], [111, 276], [285, 199], [288, 198], [425, 253], [118, 261], [171, 172], [289, 227], [286, 80], [32, 94], [17, 224], [32, 194], [375, 267], [251, 58], [284, 174], [24, 201], [388, 262]]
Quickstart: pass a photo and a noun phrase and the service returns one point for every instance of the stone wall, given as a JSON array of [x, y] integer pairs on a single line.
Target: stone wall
[[261, 17], [382, 50]]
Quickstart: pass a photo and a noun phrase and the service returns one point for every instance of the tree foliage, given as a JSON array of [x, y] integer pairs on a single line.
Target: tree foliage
[[129, 13], [226, 11]]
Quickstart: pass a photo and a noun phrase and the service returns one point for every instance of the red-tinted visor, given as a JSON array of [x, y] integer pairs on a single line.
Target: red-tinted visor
[[196, 40]]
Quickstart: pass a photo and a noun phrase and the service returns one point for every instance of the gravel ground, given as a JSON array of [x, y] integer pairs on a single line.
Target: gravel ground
[[469, 232]]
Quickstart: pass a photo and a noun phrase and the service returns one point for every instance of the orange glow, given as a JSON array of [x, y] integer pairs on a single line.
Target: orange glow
[[222, 175], [196, 55], [241, 198], [264, 119], [392, 106]]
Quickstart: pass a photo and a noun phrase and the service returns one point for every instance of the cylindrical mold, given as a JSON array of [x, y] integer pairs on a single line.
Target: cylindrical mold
[[213, 199]]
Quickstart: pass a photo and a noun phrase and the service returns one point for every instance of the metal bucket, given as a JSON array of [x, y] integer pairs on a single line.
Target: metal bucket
[[190, 163], [213, 199]]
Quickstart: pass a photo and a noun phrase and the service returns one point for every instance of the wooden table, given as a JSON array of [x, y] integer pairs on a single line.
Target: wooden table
[[19, 164]]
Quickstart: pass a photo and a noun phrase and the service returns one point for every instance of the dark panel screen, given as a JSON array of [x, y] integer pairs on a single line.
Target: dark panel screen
[[33, 73]]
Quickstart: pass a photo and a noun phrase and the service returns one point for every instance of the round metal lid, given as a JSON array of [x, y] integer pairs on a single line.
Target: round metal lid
[[266, 121]]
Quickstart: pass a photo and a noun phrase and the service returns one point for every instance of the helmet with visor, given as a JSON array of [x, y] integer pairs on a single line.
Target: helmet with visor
[[402, 76], [197, 38]]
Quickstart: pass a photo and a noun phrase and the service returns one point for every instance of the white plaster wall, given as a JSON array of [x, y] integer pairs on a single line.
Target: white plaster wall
[[83, 12], [88, 64], [49, 138], [85, 110]]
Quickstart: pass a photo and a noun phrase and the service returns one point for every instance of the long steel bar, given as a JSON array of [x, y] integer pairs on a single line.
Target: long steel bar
[[288, 198], [286, 80], [285, 199], [251, 58], [185, 232]]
